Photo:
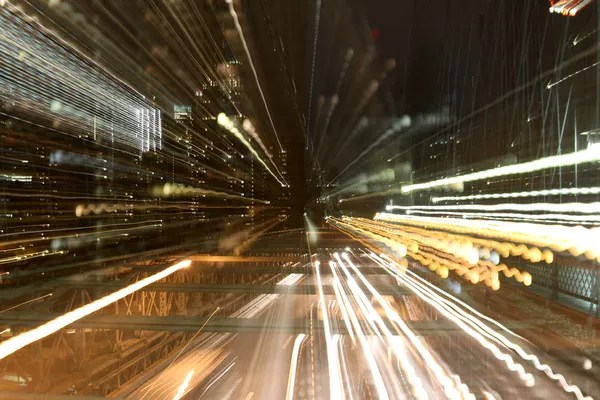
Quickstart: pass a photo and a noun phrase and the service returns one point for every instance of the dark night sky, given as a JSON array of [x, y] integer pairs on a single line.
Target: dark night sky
[[417, 33]]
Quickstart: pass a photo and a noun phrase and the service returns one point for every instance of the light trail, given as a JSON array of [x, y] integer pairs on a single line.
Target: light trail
[[582, 208], [589, 155], [337, 288], [479, 336], [238, 27], [314, 59], [217, 378], [184, 385], [25, 302], [450, 307], [178, 189], [395, 341], [442, 251], [162, 382], [552, 84], [540, 218], [335, 388], [68, 85], [576, 240], [249, 128], [294, 366], [183, 349], [18, 342], [346, 377], [29, 256], [228, 124], [364, 343], [578, 39], [535, 193]]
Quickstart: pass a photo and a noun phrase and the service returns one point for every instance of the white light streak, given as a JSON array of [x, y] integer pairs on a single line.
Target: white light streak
[[368, 354], [335, 387], [551, 84], [563, 160], [184, 386], [228, 124], [582, 208], [241, 33], [450, 307], [453, 303], [540, 218], [294, 366], [249, 128], [337, 288], [463, 320], [66, 84], [16, 178], [397, 343], [25, 302], [535, 193], [18, 342], [569, 7]]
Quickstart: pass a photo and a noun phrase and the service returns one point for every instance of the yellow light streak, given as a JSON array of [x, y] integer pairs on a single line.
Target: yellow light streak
[[184, 385], [25, 302], [416, 382], [576, 240], [18, 342]]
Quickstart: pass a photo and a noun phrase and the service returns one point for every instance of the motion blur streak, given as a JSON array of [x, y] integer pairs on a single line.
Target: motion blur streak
[[458, 311], [455, 303], [577, 240], [184, 385], [25, 302], [18, 342], [461, 319], [72, 84], [364, 343], [535, 193], [337, 287], [584, 208], [228, 124], [294, 366], [238, 27], [398, 345], [335, 388], [592, 154], [540, 218]]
